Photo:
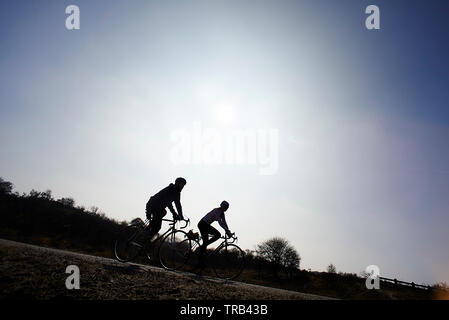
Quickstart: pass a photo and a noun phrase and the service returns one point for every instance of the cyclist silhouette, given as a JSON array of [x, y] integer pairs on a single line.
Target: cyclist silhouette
[[155, 208], [217, 214]]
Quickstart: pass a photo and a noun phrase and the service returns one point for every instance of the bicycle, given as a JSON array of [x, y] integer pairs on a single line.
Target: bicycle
[[228, 259], [173, 251]]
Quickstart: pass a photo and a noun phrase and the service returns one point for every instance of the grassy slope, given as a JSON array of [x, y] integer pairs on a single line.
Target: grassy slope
[[48, 223]]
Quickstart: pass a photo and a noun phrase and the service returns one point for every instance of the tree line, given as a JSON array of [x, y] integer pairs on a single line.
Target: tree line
[[38, 217]]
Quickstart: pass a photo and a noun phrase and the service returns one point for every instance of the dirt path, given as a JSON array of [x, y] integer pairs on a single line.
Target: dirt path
[[29, 271]]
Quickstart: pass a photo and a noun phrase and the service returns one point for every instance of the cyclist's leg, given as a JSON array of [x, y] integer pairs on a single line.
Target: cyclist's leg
[[215, 235], [206, 230], [202, 226], [148, 211], [156, 221], [149, 214]]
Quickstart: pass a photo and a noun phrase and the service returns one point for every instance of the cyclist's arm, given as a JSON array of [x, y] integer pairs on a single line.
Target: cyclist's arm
[[179, 207], [223, 224], [172, 210]]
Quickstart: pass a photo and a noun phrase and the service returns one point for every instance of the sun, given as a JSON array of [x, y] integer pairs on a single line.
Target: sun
[[224, 114]]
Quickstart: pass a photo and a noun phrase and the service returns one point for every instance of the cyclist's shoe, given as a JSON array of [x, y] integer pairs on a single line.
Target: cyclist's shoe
[[193, 235]]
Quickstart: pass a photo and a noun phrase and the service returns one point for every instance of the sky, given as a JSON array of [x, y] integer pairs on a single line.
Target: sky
[[348, 157]]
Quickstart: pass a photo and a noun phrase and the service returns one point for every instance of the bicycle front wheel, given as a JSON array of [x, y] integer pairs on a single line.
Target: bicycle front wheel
[[129, 243], [174, 250], [228, 262]]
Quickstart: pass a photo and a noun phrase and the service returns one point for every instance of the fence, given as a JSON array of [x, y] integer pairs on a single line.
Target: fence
[[403, 283]]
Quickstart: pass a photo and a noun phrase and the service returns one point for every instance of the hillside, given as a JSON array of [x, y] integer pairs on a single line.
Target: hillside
[[39, 219], [33, 272]]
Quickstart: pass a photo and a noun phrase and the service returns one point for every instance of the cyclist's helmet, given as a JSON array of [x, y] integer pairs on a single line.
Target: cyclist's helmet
[[224, 204], [181, 180]]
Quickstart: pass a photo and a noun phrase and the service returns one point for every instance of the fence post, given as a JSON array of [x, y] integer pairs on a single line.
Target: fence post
[[395, 282]]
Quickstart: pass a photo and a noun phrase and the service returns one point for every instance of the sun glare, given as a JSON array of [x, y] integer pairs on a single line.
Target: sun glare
[[224, 114]]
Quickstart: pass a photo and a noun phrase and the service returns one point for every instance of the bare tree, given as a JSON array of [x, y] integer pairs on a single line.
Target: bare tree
[[364, 274], [279, 253], [291, 260], [331, 268], [34, 193], [42, 195], [5, 186], [94, 210], [46, 195], [69, 202]]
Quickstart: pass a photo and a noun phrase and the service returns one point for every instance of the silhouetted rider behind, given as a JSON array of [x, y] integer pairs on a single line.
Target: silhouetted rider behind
[[155, 209]]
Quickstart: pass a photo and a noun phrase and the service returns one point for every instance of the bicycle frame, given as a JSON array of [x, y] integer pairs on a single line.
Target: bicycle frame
[[222, 244], [171, 229]]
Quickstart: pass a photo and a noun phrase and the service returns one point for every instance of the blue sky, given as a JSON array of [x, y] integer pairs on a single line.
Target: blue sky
[[362, 117]]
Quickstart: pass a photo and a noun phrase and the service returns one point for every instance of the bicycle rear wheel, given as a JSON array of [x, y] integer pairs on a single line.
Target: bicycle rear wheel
[[228, 262], [174, 250], [129, 243]]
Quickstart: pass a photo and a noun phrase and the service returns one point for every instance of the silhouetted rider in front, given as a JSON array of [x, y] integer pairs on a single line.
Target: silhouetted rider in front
[[155, 209]]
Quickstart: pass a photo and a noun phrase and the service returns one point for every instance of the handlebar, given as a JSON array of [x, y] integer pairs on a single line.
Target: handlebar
[[230, 239], [173, 222], [187, 223]]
